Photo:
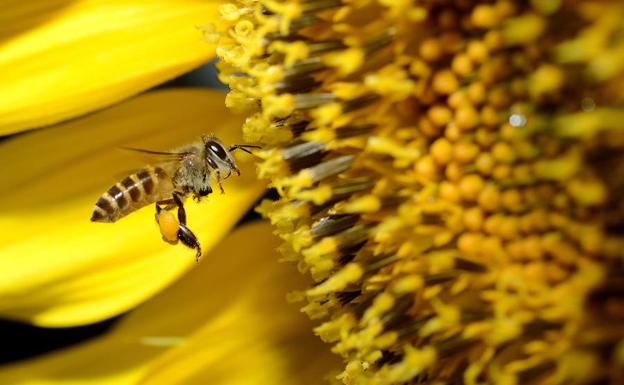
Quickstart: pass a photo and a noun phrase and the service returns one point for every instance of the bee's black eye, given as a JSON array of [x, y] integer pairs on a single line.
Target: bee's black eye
[[205, 191], [217, 149]]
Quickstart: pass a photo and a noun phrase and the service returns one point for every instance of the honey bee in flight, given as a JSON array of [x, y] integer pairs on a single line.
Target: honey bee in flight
[[186, 171]]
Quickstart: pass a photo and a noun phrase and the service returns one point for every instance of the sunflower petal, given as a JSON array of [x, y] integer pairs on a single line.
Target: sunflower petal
[[56, 267], [226, 322], [67, 58]]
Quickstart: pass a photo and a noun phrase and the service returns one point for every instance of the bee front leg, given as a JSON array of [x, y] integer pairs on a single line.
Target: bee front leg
[[219, 180]]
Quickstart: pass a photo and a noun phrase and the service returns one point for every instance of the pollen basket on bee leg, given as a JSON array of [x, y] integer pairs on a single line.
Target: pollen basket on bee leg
[[169, 225]]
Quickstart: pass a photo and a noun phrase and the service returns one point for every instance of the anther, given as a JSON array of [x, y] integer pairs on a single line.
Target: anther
[[332, 224], [330, 167], [307, 101]]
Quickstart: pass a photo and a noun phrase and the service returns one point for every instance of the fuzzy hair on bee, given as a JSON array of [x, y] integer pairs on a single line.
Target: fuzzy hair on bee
[[187, 171]]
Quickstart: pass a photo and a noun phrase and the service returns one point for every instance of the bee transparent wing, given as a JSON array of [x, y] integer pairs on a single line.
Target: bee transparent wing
[[171, 156]]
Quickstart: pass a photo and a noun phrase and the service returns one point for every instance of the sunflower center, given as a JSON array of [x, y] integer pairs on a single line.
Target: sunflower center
[[449, 174]]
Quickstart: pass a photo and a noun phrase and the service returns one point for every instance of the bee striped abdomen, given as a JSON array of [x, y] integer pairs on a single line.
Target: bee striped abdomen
[[146, 186]]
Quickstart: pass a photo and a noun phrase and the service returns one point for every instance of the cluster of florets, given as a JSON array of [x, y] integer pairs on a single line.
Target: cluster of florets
[[450, 174]]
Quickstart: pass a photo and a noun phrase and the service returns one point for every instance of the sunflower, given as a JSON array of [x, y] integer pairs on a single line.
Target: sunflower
[[449, 176]]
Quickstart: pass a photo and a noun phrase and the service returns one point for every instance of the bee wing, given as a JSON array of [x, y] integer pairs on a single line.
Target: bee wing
[[170, 156]]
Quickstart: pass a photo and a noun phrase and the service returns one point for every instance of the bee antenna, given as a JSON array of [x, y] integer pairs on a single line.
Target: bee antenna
[[243, 147]]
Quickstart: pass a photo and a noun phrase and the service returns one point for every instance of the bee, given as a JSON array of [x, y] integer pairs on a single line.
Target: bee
[[186, 172]]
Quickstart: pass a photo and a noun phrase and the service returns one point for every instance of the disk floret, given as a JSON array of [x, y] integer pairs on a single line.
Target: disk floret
[[450, 176]]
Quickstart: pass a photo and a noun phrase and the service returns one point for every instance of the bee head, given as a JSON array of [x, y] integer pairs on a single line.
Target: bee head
[[218, 156]]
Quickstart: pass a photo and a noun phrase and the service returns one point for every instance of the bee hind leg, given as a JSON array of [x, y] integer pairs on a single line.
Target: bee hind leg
[[165, 205], [185, 235]]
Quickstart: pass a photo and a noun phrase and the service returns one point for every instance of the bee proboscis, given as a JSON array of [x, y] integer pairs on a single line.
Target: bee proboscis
[[187, 171]]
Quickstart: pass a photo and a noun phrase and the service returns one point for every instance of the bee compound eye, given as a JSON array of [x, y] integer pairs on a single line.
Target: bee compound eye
[[217, 149]]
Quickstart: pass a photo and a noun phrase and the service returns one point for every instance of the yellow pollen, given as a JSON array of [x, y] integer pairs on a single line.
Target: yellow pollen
[[449, 174]]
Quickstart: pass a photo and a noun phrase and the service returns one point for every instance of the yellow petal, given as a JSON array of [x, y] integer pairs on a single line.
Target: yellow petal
[[226, 322], [56, 267], [61, 59]]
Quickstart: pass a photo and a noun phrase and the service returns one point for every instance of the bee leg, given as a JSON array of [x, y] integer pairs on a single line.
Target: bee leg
[[186, 236], [177, 199], [243, 147], [219, 180], [165, 205]]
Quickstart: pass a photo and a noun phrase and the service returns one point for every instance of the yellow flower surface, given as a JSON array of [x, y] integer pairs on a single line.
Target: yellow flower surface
[[451, 176], [61, 58], [226, 322], [60, 269]]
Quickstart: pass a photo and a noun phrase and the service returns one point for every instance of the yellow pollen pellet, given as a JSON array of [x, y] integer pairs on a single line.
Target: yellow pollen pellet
[[469, 243], [511, 199], [473, 218], [430, 49], [492, 224], [169, 225], [426, 167], [452, 132], [462, 64], [484, 16], [478, 51], [454, 171], [489, 198], [445, 82], [485, 163], [471, 186], [501, 172], [503, 152], [441, 151], [508, 228], [476, 92], [465, 151], [467, 118], [449, 192], [427, 128], [490, 116], [458, 99], [485, 137], [439, 115]]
